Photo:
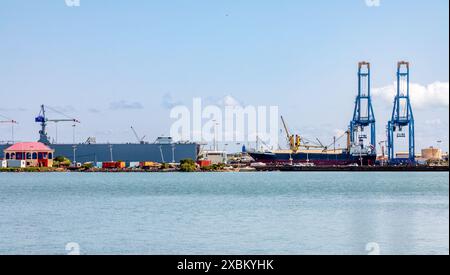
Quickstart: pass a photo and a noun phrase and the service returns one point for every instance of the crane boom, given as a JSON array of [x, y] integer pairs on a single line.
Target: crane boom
[[9, 121], [63, 120], [285, 127], [140, 140], [135, 134]]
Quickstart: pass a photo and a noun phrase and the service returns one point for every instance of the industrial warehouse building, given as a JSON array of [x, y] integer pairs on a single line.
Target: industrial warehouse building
[[432, 154]]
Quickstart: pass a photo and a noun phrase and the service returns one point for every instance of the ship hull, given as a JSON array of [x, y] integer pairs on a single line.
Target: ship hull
[[343, 159], [126, 152]]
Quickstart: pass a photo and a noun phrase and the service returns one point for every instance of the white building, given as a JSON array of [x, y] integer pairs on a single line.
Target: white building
[[216, 157]]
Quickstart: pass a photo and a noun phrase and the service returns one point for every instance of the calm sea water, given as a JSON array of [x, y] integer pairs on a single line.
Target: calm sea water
[[225, 213]]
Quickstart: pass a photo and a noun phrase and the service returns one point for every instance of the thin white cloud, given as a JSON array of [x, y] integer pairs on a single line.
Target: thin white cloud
[[435, 95], [125, 105], [94, 110]]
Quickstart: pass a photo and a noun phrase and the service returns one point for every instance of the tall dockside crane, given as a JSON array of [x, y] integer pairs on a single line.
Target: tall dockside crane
[[402, 116], [363, 115], [43, 119]]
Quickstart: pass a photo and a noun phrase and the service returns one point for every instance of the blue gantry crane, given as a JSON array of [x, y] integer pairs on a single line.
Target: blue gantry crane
[[43, 119], [402, 117], [363, 115]]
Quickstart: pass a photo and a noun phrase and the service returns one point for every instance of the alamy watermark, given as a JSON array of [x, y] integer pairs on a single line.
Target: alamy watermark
[[72, 3], [73, 248], [373, 249], [373, 3], [227, 124]]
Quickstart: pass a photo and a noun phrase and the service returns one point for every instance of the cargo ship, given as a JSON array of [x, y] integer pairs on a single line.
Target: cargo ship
[[314, 157], [303, 152], [162, 150]]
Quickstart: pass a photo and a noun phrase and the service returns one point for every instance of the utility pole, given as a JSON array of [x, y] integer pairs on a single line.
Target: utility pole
[[56, 134], [73, 133], [439, 148], [334, 144], [173, 153], [216, 148], [111, 152], [74, 155]]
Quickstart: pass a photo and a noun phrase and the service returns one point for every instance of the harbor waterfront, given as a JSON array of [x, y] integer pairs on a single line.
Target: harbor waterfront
[[240, 213]]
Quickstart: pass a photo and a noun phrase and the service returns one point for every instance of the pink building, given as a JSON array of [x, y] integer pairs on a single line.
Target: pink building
[[35, 154]]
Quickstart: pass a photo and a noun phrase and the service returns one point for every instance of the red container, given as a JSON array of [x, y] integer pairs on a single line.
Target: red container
[[108, 165], [113, 165], [204, 163]]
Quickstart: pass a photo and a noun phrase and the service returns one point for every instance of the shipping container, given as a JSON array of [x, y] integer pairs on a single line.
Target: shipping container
[[149, 164], [204, 163], [12, 163], [114, 165], [134, 165]]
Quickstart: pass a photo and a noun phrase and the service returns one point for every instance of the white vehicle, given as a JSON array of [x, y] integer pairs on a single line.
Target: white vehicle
[[258, 164]]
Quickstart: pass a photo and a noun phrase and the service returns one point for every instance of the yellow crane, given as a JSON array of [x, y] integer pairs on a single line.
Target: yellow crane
[[293, 140], [296, 141]]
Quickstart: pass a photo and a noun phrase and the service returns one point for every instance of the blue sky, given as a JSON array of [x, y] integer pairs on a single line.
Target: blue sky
[[113, 64]]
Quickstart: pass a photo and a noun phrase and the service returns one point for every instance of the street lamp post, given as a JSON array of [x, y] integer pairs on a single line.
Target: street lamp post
[[74, 155], [111, 152], [307, 153], [73, 133]]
